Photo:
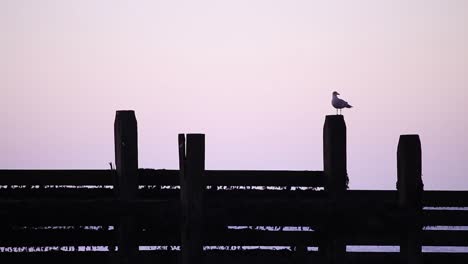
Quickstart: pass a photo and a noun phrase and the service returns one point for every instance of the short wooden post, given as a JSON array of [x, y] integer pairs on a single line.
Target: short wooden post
[[126, 162], [333, 248], [410, 189], [192, 186]]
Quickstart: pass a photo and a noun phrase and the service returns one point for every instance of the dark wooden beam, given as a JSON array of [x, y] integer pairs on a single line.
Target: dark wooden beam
[[332, 247], [126, 161], [410, 189], [192, 186]]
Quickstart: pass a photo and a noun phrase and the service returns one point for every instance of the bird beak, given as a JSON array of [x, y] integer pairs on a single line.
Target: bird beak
[[337, 94]]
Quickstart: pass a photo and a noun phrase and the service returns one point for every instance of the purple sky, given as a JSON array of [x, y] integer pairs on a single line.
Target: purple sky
[[255, 76]]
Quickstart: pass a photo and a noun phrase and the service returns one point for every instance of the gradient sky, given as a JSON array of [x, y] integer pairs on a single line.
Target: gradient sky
[[255, 76]]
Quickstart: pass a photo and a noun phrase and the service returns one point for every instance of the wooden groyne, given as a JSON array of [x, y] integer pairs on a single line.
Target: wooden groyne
[[194, 215]]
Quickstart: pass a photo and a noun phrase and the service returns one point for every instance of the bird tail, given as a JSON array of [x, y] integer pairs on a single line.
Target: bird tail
[[349, 106]]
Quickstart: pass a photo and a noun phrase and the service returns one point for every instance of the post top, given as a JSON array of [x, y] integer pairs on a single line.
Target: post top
[[409, 139], [405, 136], [125, 112], [334, 117]]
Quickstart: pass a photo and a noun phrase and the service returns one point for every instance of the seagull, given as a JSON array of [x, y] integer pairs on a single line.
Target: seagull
[[339, 103]]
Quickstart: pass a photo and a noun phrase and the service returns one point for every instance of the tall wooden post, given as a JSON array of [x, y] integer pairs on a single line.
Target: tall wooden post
[[333, 248], [410, 189], [126, 161], [192, 186]]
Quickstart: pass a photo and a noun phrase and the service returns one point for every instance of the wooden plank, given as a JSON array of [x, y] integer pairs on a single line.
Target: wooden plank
[[257, 256], [57, 237], [264, 212], [452, 258], [56, 177], [87, 257], [84, 237], [445, 198], [249, 237], [159, 236], [445, 218], [163, 177], [264, 178], [158, 177], [227, 257], [377, 196], [56, 193], [86, 212], [372, 258], [444, 238]]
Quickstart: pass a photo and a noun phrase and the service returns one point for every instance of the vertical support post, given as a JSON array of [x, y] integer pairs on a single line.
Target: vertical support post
[[410, 189], [334, 155], [192, 186], [126, 161], [333, 247]]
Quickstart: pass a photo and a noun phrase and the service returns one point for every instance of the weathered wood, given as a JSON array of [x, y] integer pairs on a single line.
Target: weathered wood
[[444, 238], [209, 201], [334, 155], [226, 257], [445, 218], [410, 188], [225, 237], [333, 247], [126, 161], [445, 198], [192, 186], [265, 178], [56, 177]]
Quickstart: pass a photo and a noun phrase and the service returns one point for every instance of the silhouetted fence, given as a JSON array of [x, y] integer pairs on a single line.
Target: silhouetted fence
[[193, 215]]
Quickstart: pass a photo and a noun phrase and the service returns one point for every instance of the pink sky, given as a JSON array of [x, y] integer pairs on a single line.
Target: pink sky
[[255, 76]]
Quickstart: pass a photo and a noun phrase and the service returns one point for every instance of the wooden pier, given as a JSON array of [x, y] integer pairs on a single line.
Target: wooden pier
[[193, 215]]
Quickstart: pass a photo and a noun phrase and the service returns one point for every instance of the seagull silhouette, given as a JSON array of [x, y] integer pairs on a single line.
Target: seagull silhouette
[[339, 103]]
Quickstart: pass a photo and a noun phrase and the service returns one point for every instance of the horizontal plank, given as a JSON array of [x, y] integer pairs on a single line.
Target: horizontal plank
[[56, 193], [85, 212], [452, 258], [88, 257], [444, 238], [241, 237], [228, 257], [445, 198], [394, 258], [162, 177], [375, 195], [445, 218], [265, 178], [57, 177]]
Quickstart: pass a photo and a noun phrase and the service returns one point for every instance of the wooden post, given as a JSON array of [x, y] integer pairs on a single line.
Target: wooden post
[[192, 168], [332, 247], [410, 189], [126, 162]]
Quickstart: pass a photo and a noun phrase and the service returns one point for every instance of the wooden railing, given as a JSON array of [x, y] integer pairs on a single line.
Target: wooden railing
[[193, 215]]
